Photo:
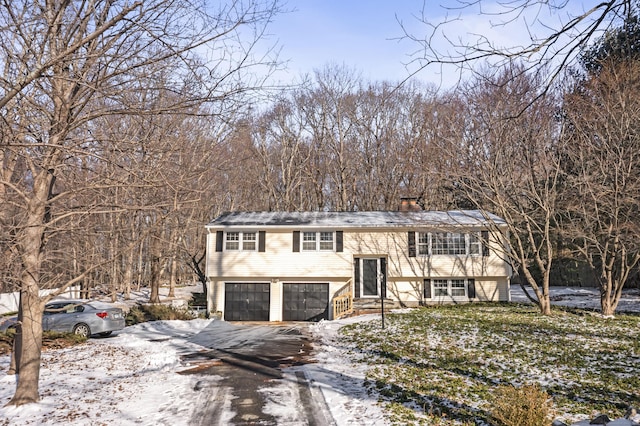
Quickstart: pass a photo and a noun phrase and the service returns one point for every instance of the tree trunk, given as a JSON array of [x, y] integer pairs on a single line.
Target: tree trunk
[[175, 242], [608, 308], [140, 266], [542, 292], [545, 306], [606, 297], [29, 349], [545, 299], [29, 345], [16, 348], [154, 280], [128, 275], [172, 277], [115, 267]]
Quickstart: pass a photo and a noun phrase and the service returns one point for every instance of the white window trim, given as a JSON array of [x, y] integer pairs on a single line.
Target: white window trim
[[449, 295], [317, 241], [467, 241], [241, 240]]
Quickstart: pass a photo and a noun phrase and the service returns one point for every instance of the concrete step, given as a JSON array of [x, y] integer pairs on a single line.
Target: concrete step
[[363, 304]]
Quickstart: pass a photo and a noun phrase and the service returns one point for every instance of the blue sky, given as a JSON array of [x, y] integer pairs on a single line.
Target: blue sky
[[359, 34], [364, 35]]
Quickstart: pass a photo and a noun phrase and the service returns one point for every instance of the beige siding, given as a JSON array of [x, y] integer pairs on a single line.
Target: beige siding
[[409, 292], [494, 290], [279, 260], [275, 314], [279, 264], [395, 246]]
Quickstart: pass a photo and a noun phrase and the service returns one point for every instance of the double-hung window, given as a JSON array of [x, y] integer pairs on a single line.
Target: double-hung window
[[475, 244], [240, 241], [457, 288], [309, 241], [449, 288], [249, 241], [318, 241], [326, 241], [423, 243]]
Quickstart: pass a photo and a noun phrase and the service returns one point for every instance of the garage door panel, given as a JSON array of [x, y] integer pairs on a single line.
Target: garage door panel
[[247, 301], [305, 301]]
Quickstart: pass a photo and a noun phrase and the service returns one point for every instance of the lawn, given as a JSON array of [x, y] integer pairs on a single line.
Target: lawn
[[441, 365]]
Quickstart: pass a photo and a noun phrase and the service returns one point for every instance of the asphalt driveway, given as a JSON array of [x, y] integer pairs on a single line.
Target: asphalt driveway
[[244, 367]]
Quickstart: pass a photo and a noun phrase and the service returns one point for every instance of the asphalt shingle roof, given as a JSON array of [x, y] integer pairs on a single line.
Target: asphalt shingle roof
[[372, 219]]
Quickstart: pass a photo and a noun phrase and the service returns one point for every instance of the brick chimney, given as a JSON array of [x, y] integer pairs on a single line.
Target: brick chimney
[[409, 204]]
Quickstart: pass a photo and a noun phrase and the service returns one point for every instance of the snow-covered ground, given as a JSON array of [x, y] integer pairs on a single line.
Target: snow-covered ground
[[582, 297], [132, 378]]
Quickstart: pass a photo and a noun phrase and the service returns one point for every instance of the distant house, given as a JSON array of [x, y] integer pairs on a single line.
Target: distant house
[[307, 266]]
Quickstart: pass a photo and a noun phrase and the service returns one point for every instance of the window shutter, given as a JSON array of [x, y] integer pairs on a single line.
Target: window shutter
[[485, 243], [412, 243], [471, 290], [383, 281], [296, 241], [219, 240], [339, 244], [356, 277], [427, 288], [261, 241]]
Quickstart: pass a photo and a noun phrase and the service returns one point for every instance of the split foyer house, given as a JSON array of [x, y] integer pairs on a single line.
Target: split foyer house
[[307, 266]]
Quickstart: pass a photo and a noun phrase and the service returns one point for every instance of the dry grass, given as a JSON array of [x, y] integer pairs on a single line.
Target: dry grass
[[442, 365]]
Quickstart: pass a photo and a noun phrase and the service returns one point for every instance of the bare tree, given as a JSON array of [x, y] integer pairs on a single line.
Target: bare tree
[[603, 151], [429, 173], [508, 163], [389, 126], [283, 149], [66, 65], [554, 33], [329, 114], [342, 144]]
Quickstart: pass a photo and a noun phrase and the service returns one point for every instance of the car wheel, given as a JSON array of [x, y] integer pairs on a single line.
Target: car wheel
[[82, 329], [105, 333]]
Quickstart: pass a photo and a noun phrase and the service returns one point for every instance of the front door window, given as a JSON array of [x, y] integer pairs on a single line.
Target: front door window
[[370, 277]]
